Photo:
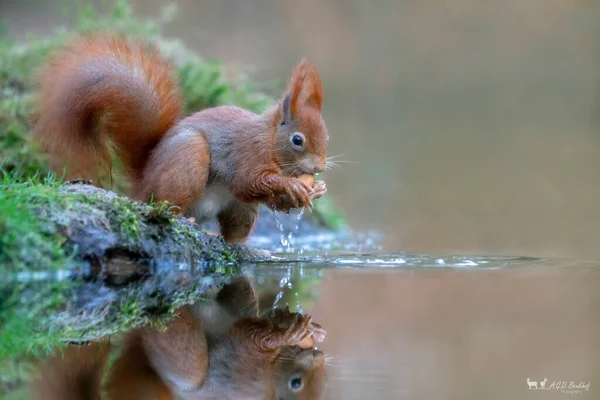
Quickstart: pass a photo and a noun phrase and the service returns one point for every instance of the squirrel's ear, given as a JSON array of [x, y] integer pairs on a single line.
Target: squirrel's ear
[[305, 89], [286, 115]]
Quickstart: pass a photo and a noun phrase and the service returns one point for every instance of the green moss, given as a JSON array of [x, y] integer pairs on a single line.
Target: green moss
[[161, 212], [129, 312], [17, 154], [125, 216], [27, 239], [21, 318]]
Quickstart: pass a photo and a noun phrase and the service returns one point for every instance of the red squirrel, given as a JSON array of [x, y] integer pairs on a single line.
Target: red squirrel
[[103, 93], [218, 349]]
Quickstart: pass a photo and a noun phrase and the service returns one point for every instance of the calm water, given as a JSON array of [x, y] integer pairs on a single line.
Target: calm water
[[405, 326], [424, 327]]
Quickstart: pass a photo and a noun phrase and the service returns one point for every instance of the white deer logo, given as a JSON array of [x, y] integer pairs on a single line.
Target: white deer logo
[[543, 383], [532, 384]]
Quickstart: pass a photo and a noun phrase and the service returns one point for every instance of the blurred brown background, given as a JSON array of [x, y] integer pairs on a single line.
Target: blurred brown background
[[474, 125]]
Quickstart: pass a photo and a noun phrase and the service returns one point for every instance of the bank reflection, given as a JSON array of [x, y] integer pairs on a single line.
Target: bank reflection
[[222, 347]]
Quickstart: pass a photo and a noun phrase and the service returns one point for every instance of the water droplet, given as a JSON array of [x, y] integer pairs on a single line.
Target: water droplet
[[299, 216], [286, 237], [277, 298], [440, 261]]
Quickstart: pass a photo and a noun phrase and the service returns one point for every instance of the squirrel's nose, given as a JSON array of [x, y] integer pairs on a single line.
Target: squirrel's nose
[[319, 167], [318, 357]]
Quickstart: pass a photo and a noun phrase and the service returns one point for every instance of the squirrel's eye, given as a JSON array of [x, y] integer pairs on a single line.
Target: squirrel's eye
[[297, 140], [296, 384]]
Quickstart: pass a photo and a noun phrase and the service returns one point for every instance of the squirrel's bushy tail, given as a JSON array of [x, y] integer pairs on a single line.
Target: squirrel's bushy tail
[[99, 93]]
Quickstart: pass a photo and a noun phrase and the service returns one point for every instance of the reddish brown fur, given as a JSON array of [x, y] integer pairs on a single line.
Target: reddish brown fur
[[102, 89], [74, 373], [151, 358], [306, 87], [180, 177], [103, 86], [133, 375]]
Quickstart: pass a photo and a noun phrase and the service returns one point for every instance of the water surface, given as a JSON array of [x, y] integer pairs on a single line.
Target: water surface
[[428, 327], [402, 326]]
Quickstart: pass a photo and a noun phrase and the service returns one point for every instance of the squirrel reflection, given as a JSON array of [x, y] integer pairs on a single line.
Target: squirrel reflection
[[217, 349]]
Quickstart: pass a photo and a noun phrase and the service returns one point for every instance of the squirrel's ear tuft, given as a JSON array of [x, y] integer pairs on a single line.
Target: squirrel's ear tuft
[[305, 88]]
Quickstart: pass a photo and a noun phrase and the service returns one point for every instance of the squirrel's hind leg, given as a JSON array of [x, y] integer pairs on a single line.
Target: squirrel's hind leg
[[237, 221], [239, 297], [179, 355], [177, 171], [133, 375]]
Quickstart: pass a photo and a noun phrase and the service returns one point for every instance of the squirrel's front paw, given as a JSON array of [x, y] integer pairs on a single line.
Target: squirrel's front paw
[[295, 194], [318, 332], [299, 192], [319, 189], [289, 329]]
